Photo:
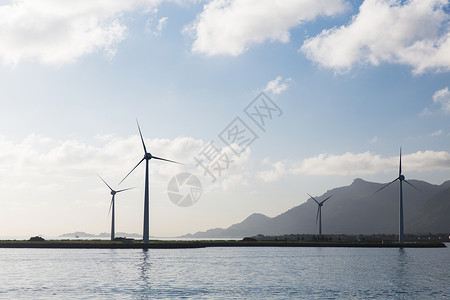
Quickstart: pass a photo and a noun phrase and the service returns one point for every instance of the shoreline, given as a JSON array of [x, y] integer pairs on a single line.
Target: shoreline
[[162, 244]]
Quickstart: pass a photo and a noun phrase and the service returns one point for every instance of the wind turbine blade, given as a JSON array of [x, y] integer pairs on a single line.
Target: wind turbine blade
[[160, 158], [317, 216], [110, 206], [387, 185], [326, 199], [411, 185], [142, 139], [105, 183], [132, 170], [124, 190], [400, 166], [313, 198]]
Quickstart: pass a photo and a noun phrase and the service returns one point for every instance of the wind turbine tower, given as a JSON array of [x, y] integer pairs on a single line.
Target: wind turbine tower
[[112, 207], [147, 157], [319, 213], [400, 178]]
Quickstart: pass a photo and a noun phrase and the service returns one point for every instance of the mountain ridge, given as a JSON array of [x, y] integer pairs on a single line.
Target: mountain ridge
[[353, 209]]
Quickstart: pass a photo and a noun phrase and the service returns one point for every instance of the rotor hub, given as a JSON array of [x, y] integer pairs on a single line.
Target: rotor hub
[[113, 193], [401, 177], [148, 156]]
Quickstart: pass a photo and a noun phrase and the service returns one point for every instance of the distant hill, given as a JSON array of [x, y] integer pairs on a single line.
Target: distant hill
[[82, 234], [251, 224], [354, 209]]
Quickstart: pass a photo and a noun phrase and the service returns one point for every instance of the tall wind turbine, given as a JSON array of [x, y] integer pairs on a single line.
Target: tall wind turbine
[[400, 178], [111, 207], [319, 213], [147, 157]]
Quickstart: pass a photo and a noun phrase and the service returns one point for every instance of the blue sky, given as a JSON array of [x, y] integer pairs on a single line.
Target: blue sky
[[355, 81]]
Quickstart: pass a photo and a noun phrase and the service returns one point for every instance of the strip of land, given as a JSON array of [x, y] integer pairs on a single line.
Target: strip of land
[[158, 244]]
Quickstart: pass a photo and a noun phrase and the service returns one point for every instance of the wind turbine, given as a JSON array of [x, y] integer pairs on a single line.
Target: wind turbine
[[319, 213], [400, 178], [147, 157], [111, 207]]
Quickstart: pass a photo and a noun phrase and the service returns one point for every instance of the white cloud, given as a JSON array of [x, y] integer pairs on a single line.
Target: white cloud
[[226, 171], [73, 160], [52, 184], [356, 164], [413, 32], [59, 32], [425, 112], [42, 176], [278, 169], [442, 97], [374, 140], [230, 27], [437, 133], [38, 161], [232, 181], [162, 23], [278, 85]]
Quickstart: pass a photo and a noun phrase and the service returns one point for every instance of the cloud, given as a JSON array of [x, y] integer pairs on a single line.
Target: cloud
[[233, 181], [38, 162], [374, 140], [230, 27], [442, 97], [355, 164], [162, 23], [277, 170], [221, 167], [437, 133], [38, 157], [414, 33], [425, 112], [59, 32], [277, 85]]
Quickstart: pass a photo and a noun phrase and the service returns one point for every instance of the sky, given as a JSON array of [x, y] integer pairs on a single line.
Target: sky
[[262, 101]]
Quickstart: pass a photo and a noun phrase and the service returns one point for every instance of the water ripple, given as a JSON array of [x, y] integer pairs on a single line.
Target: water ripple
[[222, 273]]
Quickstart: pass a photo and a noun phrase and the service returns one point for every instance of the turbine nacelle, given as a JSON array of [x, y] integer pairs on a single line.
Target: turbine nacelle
[[148, 156], [113, 193], [319, 212], [401, 177]]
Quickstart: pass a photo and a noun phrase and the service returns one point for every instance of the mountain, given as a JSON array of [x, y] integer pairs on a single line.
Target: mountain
[[81, 234], [246, 227], [354, 209]]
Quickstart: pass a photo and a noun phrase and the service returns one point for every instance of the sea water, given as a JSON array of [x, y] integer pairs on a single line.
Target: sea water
[[234, 272]]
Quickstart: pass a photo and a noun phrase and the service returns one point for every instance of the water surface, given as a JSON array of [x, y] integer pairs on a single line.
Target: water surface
[[305, 273]]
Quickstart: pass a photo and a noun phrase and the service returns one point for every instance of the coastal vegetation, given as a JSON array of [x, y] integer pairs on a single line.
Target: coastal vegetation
[[160, 244]]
